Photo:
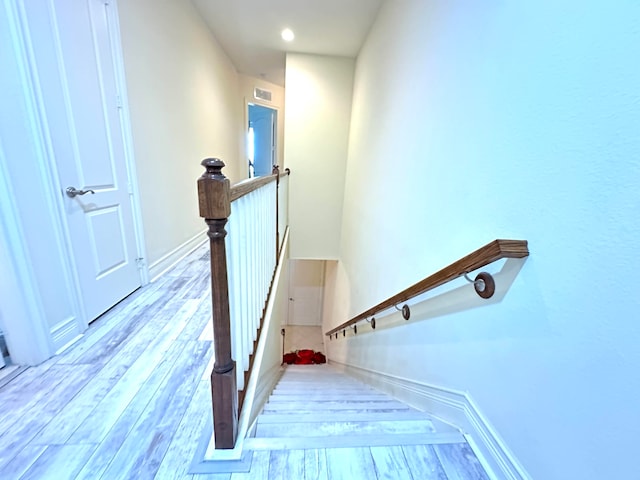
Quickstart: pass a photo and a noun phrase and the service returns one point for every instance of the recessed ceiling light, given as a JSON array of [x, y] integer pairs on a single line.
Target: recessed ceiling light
[[287, 35]]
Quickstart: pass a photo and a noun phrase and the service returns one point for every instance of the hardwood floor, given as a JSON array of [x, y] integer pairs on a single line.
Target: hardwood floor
[[131, 399]]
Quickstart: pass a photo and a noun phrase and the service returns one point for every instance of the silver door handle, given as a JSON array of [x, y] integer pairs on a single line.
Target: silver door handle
[[72, 192]]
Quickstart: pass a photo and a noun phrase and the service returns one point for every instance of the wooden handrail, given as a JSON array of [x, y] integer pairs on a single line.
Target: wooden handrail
[[247, 186], [490, 253]]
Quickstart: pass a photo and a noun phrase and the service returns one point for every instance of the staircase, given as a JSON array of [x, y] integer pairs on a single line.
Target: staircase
[[349, 430]]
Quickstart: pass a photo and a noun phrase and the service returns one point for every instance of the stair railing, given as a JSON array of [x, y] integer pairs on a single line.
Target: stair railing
[[484, 283], [245, 223]]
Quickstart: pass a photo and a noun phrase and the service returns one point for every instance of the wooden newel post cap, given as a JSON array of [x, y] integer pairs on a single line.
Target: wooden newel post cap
[[213, 190]]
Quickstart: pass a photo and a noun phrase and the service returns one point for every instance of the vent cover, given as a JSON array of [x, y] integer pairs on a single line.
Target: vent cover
[[262, 94]]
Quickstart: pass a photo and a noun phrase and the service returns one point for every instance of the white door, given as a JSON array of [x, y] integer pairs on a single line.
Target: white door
[[75, 66], [306, 291]]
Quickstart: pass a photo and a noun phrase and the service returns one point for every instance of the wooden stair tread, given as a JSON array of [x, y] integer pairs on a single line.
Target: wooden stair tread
[[319, 417], [307, 406], [320, 407], [328, 397], [317, 429]]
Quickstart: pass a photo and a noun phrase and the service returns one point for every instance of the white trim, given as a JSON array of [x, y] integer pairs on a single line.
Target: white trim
[[29, 342], [127, 138], [170, 259], [62, 333], [453, 407], [27, 345], [279, 111], [268, 381]]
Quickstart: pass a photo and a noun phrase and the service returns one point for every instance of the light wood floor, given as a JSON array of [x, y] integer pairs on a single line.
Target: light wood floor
[[131, 399]]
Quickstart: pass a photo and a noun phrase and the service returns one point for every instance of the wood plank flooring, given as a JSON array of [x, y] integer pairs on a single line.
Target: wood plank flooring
[[131, 400], [319, 423]]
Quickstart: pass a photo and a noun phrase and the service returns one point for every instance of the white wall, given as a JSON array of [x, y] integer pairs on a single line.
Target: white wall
[[185, 106], [298, 337], [475, 121], [318, 100]]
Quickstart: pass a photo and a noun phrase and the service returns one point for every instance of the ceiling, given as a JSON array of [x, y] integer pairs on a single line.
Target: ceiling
[[249, 30]]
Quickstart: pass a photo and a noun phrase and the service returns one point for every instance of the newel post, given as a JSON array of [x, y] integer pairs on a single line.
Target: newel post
[[215, 208]]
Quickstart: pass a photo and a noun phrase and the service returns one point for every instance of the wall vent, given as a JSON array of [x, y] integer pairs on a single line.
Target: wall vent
[[261, 94]]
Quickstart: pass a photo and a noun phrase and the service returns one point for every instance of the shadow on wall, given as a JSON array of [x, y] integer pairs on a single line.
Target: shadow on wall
[[443, 301], [298, 337]]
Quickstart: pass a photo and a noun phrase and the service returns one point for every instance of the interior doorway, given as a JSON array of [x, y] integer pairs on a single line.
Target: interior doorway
[[303, 329], [71, 242], [262, 133], [88, 145]]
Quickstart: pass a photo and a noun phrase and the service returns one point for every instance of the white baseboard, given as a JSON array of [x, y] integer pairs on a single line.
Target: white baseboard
[[453, 407], [164, 263], [65, 334]]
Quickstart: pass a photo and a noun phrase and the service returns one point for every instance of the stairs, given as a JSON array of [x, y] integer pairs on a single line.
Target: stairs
[[321, 424], [317, 407]]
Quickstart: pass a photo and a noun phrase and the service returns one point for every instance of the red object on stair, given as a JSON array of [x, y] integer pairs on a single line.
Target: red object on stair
[[289, 358], [319, 358], [303, 357]]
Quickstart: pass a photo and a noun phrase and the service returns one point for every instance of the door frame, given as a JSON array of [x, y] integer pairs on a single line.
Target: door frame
[[273, 133], [34, 341], [279, 145]]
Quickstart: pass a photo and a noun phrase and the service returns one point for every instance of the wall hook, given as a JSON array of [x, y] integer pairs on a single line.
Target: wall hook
[[484, 284]]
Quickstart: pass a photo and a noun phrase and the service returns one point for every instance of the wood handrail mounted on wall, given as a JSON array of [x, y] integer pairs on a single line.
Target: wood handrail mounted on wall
[[493, 251]]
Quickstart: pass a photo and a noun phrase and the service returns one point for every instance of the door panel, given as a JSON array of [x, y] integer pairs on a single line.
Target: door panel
[[75, 67], [108, 252], [306, 292]]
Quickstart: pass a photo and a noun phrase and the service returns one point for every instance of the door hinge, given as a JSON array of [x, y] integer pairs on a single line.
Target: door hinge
[[140, 263], [118, 101]]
